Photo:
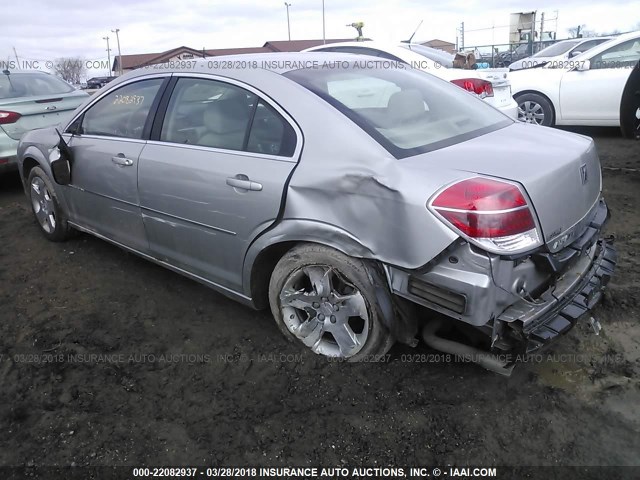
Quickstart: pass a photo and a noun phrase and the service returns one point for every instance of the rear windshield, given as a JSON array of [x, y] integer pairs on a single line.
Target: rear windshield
[[405, 110], [557, 49], [34, 84]]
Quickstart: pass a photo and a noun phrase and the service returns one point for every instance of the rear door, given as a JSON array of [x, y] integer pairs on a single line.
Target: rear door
[[104, 190], [214, 177]]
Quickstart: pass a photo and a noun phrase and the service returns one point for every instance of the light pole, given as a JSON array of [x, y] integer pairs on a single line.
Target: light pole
[[288, 24], [116, 31], [108, 53]]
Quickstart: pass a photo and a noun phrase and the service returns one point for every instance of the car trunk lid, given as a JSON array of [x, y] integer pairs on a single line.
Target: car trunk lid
[[40, 111], [560, 172]]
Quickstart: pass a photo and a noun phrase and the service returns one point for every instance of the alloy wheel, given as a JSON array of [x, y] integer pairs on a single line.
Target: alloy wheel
[[531, 112], [325, 311], [43, 205]]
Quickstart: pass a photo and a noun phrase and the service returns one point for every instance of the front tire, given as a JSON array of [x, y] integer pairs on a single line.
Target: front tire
[[46, 209], [325, 300], [534, 108]]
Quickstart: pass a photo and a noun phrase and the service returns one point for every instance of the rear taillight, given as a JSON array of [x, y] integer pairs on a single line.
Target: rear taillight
[[8, 117], [492, 213], [482, 88]]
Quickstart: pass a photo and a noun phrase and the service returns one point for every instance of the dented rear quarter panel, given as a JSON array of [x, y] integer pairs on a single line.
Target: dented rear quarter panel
[[349, 193]]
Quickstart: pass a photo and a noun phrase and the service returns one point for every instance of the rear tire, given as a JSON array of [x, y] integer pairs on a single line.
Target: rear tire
[[534, 108], [46, 209], [324, 299]]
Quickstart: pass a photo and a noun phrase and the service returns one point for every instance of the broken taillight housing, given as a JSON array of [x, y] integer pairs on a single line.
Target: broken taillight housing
[[482, 88], [493, 214]]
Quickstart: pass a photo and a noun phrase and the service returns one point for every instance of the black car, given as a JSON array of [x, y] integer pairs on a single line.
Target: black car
[[98, 82]]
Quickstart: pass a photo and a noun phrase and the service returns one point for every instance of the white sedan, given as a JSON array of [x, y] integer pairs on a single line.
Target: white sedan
[[584, 90], [558, 52], [492, 86]]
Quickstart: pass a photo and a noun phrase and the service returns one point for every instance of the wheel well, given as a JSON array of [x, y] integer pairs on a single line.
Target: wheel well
[[553, 108], [27, 166], [261, 272]]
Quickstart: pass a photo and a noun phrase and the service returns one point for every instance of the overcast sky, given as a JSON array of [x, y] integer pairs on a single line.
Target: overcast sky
[[45, 29]]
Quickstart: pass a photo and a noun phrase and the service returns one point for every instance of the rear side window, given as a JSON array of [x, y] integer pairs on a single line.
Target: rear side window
[[18, 85], [216, 114], [270, 133], [123, 112]]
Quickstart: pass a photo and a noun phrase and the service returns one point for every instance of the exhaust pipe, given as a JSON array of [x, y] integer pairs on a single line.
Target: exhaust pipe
[[481, 357]]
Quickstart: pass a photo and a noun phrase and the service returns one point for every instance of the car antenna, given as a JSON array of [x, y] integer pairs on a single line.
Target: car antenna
[[8, 74], [414, 33]]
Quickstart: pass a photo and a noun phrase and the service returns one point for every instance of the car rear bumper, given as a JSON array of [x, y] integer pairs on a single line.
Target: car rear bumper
[[510, 109], [482, 289], [575, 294], [8, 151]]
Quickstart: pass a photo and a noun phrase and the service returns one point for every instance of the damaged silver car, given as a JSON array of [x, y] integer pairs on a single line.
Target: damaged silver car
[[359, 203]]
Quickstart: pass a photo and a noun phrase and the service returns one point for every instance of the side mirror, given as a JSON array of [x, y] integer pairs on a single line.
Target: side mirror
[[583, 66], [60, 160], [575, 53]]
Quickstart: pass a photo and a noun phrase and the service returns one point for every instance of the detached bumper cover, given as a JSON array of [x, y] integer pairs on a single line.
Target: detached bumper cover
[[588, 264], [575, 303]]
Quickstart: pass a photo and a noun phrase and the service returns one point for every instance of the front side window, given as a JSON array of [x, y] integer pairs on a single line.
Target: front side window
[[408, 112], [123, 112], [215, 114], [625, 54]]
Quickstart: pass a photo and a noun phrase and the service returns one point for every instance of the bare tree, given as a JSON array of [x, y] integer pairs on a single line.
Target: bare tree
[[576, 32], [71, 69]]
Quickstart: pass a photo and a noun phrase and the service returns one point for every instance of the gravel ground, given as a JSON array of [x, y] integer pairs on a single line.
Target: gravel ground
[[106, 359]]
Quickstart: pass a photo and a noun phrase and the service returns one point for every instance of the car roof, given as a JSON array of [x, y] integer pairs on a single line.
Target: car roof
[[405, 54], [277, 62], [386, 47]]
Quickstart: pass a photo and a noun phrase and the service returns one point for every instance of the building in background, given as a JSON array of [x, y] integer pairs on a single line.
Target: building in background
[[441, 45]]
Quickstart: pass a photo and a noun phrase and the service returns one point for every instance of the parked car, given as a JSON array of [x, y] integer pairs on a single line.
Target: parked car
[[98, 82], [31, 100], [280, 186], [585, 90], [493, 87], [558, 52], [506, 58]]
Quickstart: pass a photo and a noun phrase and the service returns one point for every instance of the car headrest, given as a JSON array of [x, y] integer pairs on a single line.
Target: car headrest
[[227, 115], [405, 105]]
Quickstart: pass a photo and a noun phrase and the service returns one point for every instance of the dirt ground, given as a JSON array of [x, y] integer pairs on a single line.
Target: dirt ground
[[106, 359]]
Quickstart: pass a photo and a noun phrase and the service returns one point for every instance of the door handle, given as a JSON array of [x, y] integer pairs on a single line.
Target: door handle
[[243, 182], [121, 160]]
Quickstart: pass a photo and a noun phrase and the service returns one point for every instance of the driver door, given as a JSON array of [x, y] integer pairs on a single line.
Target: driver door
[[106, 144], [593, 96]]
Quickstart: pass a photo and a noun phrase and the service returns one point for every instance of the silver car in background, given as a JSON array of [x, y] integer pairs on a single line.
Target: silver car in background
[[28, 100], [359, 204]]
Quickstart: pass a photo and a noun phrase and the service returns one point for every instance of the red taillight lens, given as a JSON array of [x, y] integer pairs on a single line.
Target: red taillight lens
[[8, 117], [482, 88], [494, 212]]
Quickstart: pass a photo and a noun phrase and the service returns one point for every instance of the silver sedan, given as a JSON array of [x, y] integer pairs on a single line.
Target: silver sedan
[[359, 201]]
